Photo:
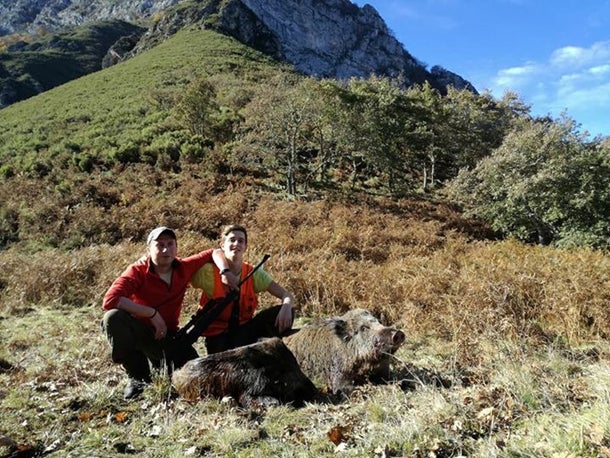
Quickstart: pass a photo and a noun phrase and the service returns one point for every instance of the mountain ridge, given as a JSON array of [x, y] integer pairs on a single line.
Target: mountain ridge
[[322, 38]]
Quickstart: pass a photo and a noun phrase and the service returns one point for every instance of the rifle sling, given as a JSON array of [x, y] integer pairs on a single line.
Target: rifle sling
[[234, 318]]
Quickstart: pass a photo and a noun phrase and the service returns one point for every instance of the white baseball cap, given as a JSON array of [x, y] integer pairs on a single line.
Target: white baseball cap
[[156, 233]]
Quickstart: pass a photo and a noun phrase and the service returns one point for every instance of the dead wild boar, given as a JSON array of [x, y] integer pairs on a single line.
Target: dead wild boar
[[257, 375], [344, 351]]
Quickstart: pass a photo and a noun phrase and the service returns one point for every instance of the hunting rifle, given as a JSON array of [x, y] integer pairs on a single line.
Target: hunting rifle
[[179, 348]]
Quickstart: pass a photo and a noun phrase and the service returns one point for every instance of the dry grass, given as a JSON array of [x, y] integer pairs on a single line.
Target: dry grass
[[507, 350]]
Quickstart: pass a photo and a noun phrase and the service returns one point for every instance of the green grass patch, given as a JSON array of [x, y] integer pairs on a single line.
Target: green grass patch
[[105, 112]]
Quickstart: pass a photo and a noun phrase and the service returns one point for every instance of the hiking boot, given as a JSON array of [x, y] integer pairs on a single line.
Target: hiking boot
[[134, 388], [138, 373]]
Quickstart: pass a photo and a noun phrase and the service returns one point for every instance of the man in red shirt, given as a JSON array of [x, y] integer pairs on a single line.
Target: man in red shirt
[[143, 305]]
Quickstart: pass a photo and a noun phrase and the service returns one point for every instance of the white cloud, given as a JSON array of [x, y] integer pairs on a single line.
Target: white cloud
[[600, 70], [514, 77], [576, 97], [573, 78], [568, 55], [575, 56]]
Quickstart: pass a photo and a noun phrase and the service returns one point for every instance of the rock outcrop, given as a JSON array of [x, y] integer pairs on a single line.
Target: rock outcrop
[[335, 38], [322, 38], [31, 16]]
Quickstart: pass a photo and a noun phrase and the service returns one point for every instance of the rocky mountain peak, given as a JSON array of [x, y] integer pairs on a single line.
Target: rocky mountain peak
[[31, 16], [322, 38], [333, 38]]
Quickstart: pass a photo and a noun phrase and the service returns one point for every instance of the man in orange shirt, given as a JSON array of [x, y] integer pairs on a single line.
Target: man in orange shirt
[[237, 325]]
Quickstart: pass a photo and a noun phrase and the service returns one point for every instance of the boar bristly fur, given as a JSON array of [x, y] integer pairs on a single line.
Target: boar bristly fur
[[344, 351], [257, 375]]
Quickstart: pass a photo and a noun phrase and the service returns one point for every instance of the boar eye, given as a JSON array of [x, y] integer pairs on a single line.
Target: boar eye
[[363, 328]]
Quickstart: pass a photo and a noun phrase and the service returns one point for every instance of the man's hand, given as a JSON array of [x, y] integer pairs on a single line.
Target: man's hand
[[284, 318], [230, 279], [160, 327]]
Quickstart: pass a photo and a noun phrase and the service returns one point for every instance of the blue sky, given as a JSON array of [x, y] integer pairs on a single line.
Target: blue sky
[[554, 53]]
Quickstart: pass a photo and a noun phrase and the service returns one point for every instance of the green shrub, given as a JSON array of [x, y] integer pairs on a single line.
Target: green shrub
[[129, 153], [85, 163], [39, 168], [7, 171], [149, 155], [9, 226], [195, 149]]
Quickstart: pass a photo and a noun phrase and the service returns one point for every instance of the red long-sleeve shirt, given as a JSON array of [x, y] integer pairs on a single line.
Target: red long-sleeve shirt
[[140, 283]]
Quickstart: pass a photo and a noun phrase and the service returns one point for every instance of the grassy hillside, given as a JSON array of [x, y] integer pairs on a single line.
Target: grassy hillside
[[506, 355], [28, 68], [102, 112], [62, 178]]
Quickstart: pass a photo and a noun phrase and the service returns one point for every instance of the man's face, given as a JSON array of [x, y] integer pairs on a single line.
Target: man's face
[[163, 251], [234, 244]]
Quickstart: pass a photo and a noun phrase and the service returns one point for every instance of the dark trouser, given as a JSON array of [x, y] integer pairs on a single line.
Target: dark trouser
[[133, 345], [261, 325]]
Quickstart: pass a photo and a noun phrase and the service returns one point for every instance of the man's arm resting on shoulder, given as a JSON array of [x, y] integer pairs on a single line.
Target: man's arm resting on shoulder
[[227, 277]]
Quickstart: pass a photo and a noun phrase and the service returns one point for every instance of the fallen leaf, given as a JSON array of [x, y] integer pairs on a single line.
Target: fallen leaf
[[337, 434], [85, 417], [120, 417]]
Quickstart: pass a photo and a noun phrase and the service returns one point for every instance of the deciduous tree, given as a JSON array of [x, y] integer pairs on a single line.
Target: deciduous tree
[[546, 183]]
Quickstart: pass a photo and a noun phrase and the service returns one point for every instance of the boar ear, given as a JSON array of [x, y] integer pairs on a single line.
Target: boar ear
[[340, 327]]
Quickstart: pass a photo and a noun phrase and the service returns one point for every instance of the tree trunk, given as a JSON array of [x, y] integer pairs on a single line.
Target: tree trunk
[[432, 170], [425, 183]]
